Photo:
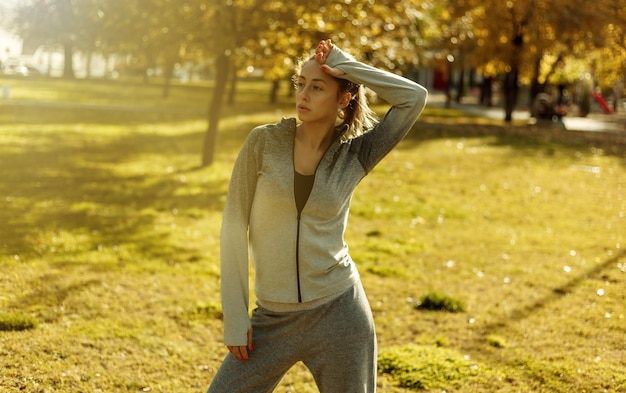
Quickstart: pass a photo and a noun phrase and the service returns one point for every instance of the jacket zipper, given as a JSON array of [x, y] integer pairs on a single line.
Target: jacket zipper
[[298, 232], [298, 259]]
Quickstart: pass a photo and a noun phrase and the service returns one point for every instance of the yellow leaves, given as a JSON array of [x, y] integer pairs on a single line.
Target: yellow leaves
[[486, 32], [490, 69]]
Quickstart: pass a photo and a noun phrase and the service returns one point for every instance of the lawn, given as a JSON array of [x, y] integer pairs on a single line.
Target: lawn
[[109, 239]]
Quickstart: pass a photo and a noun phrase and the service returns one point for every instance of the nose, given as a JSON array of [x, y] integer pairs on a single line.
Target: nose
[[304, 93]]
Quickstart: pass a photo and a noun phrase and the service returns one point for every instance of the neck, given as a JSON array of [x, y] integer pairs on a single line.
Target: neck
[[316, 137]]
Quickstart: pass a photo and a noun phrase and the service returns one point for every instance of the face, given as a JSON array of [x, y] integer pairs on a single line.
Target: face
[[317, 98]]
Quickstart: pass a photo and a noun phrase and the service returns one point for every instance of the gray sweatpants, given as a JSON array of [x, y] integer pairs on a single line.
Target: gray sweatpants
[[336, 341]]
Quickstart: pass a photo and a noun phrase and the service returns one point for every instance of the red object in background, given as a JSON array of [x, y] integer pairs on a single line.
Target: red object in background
[[601, 101], [440, 81]]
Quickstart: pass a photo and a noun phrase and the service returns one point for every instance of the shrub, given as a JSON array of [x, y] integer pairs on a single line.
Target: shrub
[[424, 368], [435, 301], [205, 311], [385, 271], [15, 322], [496, 341]]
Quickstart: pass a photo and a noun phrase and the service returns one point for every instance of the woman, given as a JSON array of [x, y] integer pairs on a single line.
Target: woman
[[287, 205]]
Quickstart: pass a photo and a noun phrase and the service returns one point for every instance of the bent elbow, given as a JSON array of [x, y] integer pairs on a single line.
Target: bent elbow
[[419, 100]]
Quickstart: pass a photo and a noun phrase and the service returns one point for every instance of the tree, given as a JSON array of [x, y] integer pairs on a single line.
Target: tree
[[228, 29], [508, 34], [234, 34], [269, 34], [610, 59], [53, 23]]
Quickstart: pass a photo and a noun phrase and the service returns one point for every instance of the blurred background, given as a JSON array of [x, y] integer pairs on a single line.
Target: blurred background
[[563, 52]]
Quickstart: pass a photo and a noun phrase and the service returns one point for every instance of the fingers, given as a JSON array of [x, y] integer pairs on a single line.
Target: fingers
[[321, 55], [327, 46], [336, 72], [323, 50], [239, 352]]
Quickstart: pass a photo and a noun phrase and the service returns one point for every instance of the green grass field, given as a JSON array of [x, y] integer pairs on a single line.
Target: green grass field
[[109, 238]]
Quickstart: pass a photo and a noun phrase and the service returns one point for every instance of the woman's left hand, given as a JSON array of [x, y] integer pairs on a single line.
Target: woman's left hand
[[321, 54]]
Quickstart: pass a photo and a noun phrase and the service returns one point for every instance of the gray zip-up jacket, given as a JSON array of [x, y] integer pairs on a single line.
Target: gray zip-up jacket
[[303, 258]]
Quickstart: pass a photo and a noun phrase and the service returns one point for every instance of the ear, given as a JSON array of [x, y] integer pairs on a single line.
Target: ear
[[345, 100]]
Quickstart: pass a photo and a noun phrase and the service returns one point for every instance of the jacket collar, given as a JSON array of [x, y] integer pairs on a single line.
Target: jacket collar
[[290, 124]]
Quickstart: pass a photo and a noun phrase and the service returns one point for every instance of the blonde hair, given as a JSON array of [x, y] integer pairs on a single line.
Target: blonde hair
[[358, 116]]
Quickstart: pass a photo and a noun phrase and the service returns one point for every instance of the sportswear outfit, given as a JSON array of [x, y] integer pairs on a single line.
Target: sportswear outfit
[[310, 303]]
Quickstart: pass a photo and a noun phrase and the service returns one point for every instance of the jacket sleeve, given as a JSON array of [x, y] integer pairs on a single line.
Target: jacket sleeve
[[407, 100], [234, 245]]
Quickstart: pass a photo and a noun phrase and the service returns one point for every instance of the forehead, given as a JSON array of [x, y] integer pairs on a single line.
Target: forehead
[[311, 70]]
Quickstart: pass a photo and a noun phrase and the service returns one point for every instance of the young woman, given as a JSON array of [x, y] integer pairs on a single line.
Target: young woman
[[287, 210]]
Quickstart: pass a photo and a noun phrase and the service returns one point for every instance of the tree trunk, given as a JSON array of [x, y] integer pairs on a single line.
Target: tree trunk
[[68, 56], [290, 90], [107, 71], [510, 93], [449, 85], [460, 90], [274, 91], [535, 86], [486, 91], [168, 74], [511, 79], [88, 65], [215, 108], [232, 89]]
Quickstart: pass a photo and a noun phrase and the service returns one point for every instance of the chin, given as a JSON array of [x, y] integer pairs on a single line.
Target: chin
[[303, 116]]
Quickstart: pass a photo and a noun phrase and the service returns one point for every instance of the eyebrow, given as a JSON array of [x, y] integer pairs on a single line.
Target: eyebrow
[[313, 80]]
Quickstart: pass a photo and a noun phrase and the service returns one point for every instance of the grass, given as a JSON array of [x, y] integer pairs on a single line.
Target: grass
[[110, 234]]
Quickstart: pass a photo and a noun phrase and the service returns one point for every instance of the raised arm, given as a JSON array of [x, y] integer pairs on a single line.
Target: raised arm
[[407, 100]]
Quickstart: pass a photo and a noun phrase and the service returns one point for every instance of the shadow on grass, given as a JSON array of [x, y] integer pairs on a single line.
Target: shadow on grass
[[551, 377], [103, 196], [68, 183], [71, 113], [59, 101], [67, 175], [518, 314]]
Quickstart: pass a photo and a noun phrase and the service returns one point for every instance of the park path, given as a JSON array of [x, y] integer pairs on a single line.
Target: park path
[[596, 121]]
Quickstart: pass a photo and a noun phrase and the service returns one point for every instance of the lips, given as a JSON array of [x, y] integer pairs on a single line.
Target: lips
[[302, 108]]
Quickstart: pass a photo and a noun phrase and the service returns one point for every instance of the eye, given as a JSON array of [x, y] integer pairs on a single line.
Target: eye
[[318, 88]]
